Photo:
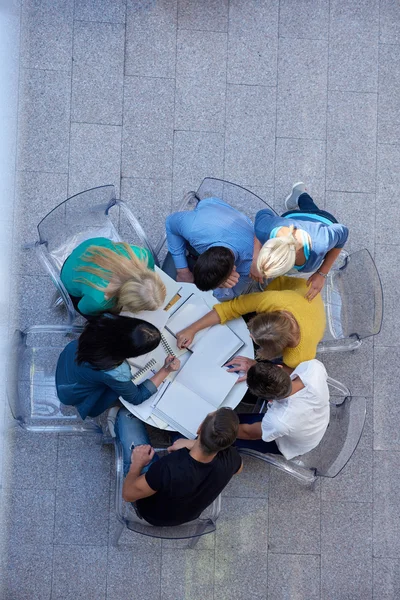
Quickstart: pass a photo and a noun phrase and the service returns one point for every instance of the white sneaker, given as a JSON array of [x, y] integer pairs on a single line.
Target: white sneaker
[[291, 201], [111, 419]]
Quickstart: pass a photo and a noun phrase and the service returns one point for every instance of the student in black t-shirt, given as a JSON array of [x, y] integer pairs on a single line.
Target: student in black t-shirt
[[177, 488]]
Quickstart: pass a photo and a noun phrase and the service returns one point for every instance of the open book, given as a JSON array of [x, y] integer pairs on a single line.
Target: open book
[[198, 389], [218, 342], [193, 309]]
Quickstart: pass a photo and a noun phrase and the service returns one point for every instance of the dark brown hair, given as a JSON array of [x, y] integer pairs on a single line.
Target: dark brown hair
[[213, 267], [266, 380], [108, 340], [218, 430]]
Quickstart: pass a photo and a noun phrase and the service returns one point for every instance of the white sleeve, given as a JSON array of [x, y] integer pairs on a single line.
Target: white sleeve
[[272, 428]]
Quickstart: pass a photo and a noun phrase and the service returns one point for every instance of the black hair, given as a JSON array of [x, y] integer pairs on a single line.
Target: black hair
[[213, 267], [219, 430], [110, 339], [267, 380]]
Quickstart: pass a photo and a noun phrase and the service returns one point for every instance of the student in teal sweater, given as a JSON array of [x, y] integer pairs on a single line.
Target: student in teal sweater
[[105, 276]]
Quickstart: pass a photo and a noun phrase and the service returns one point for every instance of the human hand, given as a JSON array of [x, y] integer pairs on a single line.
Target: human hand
[[315, 283], [255, 274], [185, 337], [184, 275], [142, 455], [181, 443], [240, 363], [232, 280], [172, 363]]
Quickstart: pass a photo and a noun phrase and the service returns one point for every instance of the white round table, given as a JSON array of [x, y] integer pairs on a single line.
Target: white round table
[[238, 326]]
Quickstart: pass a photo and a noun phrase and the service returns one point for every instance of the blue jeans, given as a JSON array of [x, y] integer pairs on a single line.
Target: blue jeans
[[258, 445], [307, 205], [131, 432]]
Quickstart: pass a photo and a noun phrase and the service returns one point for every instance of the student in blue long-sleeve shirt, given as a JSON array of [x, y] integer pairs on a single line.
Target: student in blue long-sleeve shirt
[[304, 238], [92, 372], [223, 239]]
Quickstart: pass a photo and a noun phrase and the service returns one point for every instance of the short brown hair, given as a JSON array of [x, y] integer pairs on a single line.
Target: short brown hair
[[213, 267], [219, 430], [266, 380], [273, 332]]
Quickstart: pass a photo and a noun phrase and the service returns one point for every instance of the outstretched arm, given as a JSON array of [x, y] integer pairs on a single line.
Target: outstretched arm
[[185, 337]]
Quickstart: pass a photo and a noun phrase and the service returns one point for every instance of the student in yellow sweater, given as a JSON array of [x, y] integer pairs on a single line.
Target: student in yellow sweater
[[286, 324]]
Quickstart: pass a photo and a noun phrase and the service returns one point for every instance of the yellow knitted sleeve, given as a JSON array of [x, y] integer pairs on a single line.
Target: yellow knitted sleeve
[[239, 306]]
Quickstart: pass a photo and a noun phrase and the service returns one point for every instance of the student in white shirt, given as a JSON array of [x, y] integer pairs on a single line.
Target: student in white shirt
[[298, 409]]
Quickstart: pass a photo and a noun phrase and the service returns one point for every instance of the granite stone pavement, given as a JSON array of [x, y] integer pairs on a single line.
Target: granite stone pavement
[[152, 96]]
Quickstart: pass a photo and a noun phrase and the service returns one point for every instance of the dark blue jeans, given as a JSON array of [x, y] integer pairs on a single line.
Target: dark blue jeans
[[258, 445], [307, 205]]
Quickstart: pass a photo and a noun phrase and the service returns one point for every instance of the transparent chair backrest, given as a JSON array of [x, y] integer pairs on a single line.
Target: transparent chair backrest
[[353, 298], [31, 386], [347, 417], [126, 513], [341, 438], [235, 195], [77, 219]]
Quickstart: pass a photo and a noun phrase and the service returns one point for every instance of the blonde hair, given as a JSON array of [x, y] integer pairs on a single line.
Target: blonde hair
[[278, 255], [273, 332], [130, 281]]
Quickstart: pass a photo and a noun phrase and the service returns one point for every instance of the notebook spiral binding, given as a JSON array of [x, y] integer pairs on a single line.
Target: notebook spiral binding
[[152, 362], [166, 346]]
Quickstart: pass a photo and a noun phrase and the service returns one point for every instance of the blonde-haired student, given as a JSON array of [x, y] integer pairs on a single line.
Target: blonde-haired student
[[286, 324], [105, 276], [304, 238]]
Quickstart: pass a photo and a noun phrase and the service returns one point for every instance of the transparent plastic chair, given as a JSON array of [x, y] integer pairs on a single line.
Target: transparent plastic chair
[[31, 388], [235, 195], [347, 417], [128, 517], [92, 213], [353, 299]]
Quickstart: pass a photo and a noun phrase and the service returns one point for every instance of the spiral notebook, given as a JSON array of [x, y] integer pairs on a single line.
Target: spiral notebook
[[167, 347]]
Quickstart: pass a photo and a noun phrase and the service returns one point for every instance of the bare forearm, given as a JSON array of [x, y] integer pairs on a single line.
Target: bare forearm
[[249, 432], [208, 320], [133, 474], [159, 377], [257, 248], [329, 259]]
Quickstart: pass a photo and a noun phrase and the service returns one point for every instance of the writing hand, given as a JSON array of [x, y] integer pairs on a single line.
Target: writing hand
[[172, 363], [184, 338], [240, 363]]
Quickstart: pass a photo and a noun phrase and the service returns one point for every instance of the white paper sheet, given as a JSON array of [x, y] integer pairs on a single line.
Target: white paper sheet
[[192, 310], [206, 379], [183, 409]]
